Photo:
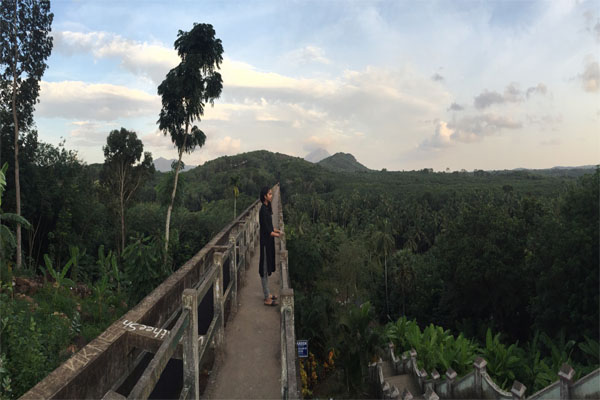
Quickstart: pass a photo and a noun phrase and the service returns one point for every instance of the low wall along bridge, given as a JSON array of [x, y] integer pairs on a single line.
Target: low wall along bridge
[[209, 309]]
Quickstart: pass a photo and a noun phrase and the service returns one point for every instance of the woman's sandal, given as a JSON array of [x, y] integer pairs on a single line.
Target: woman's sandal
[[273, 303], [273, 297]]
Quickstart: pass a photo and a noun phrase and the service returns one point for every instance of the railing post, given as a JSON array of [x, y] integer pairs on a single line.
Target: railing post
[[404, 361], [287, 318], [566, 375], [518, 390], [450, 377], [479, 365], [413, 360], [435, 375], [218, 304], [233, 272], [191, 372]]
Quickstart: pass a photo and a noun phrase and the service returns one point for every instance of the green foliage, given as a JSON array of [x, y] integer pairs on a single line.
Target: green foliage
[[359, 343], [120, 175], [502, 360], [142, 264], [59, 275], [436, 348]]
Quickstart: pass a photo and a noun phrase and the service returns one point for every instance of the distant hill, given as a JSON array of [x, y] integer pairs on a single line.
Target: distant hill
[[163, 165], [317, 155], [342, 162]]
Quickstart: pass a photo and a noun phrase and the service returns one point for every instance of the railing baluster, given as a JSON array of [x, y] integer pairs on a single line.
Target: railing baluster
[[191, 373]]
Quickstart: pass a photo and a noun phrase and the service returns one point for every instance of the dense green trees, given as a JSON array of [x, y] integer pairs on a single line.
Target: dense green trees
[[510, 253]]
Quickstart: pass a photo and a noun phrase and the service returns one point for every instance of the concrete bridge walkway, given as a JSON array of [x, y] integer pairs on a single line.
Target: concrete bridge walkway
[[249, 367]]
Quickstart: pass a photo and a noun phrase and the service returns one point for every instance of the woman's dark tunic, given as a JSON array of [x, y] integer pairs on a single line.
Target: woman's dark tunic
[[267, 242]]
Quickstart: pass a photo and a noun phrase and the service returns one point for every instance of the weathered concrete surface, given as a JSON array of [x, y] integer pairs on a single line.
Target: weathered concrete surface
[[249, 367]]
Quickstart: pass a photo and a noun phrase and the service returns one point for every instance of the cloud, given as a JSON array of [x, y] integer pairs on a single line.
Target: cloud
[[590, 26], [225, 146], [89, 101], [455, 107], [307, 55], [590, 77], [437, 77], [512, 94], [90, 133], [545, 121], [152, 60], [550, 142], [539, 89], [467, 130], [317, 142], [487, 98]]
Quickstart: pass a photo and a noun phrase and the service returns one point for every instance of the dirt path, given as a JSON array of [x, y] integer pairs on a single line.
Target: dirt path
[[250, 365]]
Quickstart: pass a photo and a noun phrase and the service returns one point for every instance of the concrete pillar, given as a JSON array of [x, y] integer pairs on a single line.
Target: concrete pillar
[[518, 390], [435, 376], [565, 375], [404, 359], [413, 359], [450, 377], [218, 304], [479, 365], [233, 272], [422, 375], [407, 395], [430, 394], [191, 372]]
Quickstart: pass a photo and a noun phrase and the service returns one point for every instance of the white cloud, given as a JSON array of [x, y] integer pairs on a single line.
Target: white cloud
[[512, 94], [307, 55], [590, 77], [315, 142], [100, 101], [152, 60], [225, 146], [539, 89], [467, 130]]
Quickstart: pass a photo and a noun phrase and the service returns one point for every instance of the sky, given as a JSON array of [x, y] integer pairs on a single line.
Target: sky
[[400, 85]]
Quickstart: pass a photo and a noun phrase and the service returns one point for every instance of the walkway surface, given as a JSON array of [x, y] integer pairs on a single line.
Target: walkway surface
[[250, 365]]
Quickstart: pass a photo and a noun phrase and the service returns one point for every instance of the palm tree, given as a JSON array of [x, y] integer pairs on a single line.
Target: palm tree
[[404, 274], [185, 91], [385, 243]]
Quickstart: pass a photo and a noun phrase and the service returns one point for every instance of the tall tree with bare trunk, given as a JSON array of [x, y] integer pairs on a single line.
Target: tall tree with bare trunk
[[25, 44], [185, 91]]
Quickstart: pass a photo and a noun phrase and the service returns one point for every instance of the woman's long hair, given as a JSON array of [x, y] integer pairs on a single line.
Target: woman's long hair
[[263, 193], [263, 196]]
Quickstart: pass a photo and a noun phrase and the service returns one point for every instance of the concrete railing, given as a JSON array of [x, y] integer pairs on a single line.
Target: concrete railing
[[478, 383], [289, 368], [104, 365]]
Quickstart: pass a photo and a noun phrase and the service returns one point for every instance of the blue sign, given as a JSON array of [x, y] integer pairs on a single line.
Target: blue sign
[[302, 348]]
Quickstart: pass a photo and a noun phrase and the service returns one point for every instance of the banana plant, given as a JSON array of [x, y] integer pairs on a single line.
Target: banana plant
[[502, 361], [591, 348], [59, 275]]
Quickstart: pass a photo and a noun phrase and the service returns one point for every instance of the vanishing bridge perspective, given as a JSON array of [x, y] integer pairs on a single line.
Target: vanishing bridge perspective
[[209, 309]]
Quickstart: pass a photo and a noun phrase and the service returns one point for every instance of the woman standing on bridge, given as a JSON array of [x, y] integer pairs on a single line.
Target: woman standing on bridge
[[267, 244]]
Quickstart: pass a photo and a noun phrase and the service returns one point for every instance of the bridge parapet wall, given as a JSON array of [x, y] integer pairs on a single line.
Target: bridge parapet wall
[[479, 384], [102, 365], [289, 364]]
